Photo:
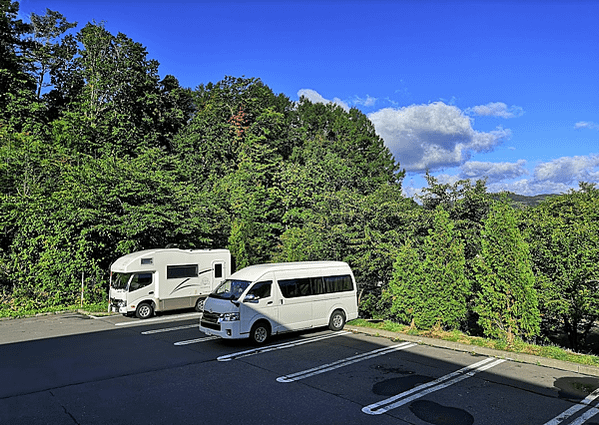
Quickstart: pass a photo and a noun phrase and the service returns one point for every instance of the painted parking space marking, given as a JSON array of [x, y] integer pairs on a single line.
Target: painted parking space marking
[[282, 346], [424, 389], [172, 318], [176, 328], [585, 416], [195, 341], [574, 409], [343, 362]]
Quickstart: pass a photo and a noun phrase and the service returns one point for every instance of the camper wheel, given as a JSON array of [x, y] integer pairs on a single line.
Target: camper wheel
[[200, 304], [260, 332], [143, 311], [337, 320]]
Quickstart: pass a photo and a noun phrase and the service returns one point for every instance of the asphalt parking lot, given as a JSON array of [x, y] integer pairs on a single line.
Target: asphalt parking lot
[[75, 369]]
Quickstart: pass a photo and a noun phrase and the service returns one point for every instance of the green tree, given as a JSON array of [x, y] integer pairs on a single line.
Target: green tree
[[563, 233], [429, 286], [255, 193], [122, 107], [48, 45], [17, 86], [507, 304]]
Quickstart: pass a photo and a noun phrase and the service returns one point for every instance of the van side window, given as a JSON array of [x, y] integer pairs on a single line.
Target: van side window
[[140, 280], [176, 272], [218, 270], [261, 289], [302, 287], [338, 283], [317, 285], [288, 288]]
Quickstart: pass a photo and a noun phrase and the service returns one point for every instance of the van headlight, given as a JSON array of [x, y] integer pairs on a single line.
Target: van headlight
[[229, 317]]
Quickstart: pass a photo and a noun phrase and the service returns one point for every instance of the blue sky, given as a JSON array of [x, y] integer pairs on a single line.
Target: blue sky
[[507, 90]]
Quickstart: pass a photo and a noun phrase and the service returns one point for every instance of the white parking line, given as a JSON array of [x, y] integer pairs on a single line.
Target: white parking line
[[572, 410], [193, 341], [429, 387], [344, 362], [160, 319], [155, 331], [240, 354], [585, 416]]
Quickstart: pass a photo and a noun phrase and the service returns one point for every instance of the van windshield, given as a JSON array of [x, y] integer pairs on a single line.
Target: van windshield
[[230, 289], [120, 280]]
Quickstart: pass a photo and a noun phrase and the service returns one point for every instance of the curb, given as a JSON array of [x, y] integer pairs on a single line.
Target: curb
[[457, 346]]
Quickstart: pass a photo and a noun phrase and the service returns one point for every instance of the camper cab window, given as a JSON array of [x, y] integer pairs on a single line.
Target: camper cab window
[[120, 280], [131, 281], [139, 280]]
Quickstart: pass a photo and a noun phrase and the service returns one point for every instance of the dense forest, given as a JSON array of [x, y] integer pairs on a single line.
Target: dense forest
[[101, 156]]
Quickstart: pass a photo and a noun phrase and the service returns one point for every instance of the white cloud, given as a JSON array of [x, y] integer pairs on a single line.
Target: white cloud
[[368, 101], [315, 97], [569, 169], [529, 187], [495, 109], [557, 176], [433, 136], [586, 124], [493, 171]]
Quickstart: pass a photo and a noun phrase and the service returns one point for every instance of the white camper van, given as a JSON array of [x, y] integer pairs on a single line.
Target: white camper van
[[166, 279], [267, 299]]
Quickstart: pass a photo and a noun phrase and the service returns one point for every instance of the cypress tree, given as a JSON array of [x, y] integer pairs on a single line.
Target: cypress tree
[[507, 303], [430, 288]]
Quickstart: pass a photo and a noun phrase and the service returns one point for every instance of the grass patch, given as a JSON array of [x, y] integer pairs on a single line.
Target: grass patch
[[547, 351], [96, 308]]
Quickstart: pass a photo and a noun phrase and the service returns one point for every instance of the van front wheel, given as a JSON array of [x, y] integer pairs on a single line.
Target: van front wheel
[[143, 311], [337, 321], [259, 333]]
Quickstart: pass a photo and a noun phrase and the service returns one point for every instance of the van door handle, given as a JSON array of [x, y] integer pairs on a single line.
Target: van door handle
[[282, 302], [151, 292], [270, 302]]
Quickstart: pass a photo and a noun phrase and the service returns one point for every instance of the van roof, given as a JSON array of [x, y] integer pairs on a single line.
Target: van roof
[[251, 273]]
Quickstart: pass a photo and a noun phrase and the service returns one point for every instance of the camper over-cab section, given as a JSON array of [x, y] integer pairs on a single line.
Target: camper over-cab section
[[144, 282]]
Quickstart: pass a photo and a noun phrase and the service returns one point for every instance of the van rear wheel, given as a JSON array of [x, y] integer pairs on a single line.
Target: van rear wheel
[[143, 311], [259, 333], [337, 321]]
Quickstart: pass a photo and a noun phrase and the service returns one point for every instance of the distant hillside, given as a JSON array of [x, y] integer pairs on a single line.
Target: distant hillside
[[528, 201]]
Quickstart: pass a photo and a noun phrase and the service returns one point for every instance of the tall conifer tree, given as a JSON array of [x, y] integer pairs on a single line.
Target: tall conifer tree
[[507, 304]]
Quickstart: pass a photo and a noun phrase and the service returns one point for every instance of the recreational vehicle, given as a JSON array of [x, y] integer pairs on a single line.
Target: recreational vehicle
[[267, 299], [165, 279]]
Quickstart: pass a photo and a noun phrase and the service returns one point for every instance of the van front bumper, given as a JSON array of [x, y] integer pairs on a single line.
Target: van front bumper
[[224, 329]]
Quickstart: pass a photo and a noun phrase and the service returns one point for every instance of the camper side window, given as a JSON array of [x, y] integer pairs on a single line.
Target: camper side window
[[140, 280], [176, 272], [218, 271]]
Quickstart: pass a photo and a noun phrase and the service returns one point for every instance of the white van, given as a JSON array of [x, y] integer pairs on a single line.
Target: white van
[[165, 279], [267, 299]]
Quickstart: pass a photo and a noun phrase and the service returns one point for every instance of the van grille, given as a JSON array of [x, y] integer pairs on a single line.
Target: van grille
[[210, 320]]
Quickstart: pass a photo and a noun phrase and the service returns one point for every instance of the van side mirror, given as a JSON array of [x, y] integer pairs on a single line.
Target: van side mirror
[[251, 298]]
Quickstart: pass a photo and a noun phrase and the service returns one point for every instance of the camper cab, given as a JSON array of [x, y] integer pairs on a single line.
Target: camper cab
[[267, 299], [165, 279]]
